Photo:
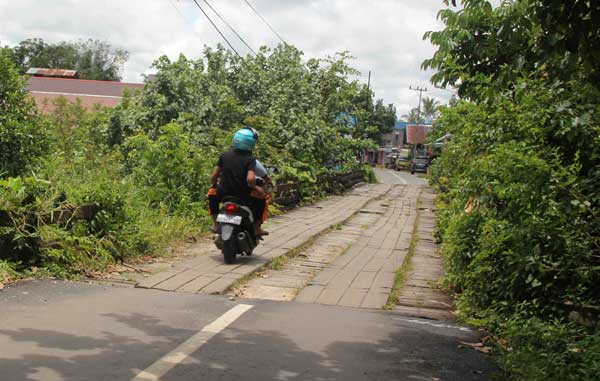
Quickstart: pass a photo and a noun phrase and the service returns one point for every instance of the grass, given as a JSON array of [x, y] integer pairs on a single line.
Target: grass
[[400, 277]]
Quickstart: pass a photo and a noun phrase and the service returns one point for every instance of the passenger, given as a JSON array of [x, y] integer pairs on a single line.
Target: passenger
[[262, 200], [235, 176]]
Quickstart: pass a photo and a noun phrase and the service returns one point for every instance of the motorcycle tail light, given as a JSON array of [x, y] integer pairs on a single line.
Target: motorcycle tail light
[[231, 208]]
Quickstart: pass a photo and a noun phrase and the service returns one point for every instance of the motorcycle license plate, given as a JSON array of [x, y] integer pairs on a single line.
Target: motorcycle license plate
[[227, 219]]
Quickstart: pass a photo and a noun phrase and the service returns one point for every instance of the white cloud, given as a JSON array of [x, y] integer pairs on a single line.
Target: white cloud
[[385, 36]]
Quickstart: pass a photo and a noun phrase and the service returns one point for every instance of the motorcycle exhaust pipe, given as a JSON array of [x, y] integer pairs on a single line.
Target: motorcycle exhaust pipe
[[243, 240]]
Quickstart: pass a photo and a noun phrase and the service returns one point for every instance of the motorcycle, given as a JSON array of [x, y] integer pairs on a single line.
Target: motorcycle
[[236, 230]]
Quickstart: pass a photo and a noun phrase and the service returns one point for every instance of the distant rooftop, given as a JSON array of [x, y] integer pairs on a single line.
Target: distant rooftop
[[58, 73], [106, 93], [401, 124]]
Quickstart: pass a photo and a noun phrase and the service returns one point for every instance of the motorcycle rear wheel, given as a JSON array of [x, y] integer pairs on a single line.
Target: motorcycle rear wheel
[[229, 251]]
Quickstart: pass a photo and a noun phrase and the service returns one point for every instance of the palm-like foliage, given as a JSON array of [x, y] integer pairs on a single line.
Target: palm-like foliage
[[430, 106]]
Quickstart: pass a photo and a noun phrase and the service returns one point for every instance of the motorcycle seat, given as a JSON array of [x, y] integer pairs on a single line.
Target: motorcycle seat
[[236, 200]]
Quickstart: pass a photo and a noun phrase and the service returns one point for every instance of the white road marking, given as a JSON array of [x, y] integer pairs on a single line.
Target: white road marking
[[182, 352], [399, 177], [437, 325]]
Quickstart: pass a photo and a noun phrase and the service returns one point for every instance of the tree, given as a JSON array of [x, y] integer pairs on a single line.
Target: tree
[[481, 44], [383, 118], [430, 106], [22, 137], [93, 59], [414, 116], [295, 103]]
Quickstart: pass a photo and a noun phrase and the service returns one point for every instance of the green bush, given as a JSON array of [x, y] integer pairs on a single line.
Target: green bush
[[549, 350], [23, 137], [518, 182], [174, 172]]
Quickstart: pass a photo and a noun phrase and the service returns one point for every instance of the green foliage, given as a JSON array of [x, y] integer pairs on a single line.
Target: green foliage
[[294, 104], [175, 173], [22, 135], [22, 200], [517, 38], [519, 180], [430, 107], [552, 350], [414, 116], [82, 171], [93, 59], [144, 167], [371, 177]]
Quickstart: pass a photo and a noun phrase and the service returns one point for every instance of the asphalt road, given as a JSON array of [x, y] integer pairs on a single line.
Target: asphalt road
[[52, 330], [388, 176]]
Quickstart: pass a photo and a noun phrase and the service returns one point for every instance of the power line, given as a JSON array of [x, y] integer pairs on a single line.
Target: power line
[[229, 26], [265, 21], [217, 28], [368, 90]]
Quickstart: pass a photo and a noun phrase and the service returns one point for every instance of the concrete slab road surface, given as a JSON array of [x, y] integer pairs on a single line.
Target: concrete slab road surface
[[52, 331]]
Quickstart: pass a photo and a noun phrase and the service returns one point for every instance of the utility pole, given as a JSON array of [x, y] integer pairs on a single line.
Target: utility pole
[[368, 93], [420, 90]]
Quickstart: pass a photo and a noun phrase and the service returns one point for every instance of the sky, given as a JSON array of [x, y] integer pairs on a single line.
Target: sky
[[384, 36]]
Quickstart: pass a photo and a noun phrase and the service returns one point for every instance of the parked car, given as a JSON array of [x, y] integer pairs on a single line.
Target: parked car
[[419, 164], [403, 160]]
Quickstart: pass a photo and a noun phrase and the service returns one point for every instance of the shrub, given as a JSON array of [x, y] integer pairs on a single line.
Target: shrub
[[23, 136]]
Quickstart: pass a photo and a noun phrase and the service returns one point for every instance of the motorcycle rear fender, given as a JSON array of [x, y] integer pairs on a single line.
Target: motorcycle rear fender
[[226, 231]]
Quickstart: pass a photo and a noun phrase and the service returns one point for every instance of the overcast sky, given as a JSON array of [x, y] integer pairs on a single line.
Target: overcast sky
[[385, 36]]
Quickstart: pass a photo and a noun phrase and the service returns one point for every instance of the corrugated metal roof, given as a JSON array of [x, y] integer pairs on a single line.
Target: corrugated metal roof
[[43, 72]]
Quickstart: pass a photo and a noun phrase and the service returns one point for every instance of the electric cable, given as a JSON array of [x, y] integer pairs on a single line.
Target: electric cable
[[217, 28], [229, 26], [265, 21]]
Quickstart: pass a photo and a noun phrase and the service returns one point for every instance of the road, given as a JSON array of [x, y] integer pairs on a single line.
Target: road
[[54, 330], [387, 176]]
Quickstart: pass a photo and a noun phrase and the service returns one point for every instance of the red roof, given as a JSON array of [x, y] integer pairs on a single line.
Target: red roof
[[43, 72], [105, 93]]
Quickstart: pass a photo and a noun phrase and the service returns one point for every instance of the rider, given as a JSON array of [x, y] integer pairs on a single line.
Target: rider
[[234, 175], [262, 199]]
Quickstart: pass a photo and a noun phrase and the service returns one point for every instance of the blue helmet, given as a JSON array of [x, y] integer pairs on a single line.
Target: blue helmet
[[245, 139]]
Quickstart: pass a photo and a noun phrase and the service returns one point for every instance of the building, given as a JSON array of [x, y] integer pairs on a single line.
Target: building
[[397, 137], [46, 85], [403, 135], [390, 142]]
